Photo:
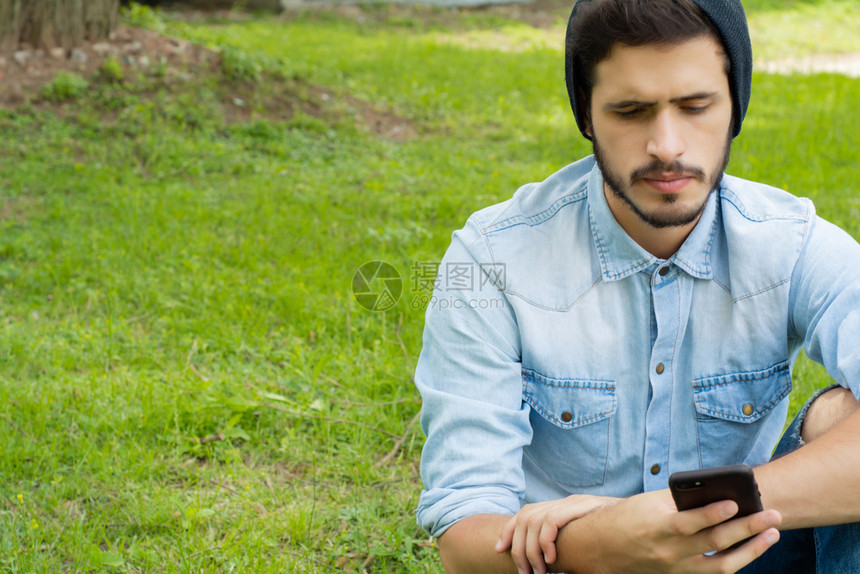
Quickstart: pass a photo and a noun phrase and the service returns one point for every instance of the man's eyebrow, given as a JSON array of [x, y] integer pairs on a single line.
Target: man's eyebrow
[[696, 96], [628, 104], [611, 106]]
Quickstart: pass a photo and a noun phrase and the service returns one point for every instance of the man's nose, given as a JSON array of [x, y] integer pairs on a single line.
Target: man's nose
[[666, 141]]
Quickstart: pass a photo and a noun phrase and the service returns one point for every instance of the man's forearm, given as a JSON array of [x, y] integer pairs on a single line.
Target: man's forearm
[[468, 547], [816, 485]]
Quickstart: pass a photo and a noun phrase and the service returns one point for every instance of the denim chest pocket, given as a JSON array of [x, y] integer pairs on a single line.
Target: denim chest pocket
[[731, 410], [570, 421]]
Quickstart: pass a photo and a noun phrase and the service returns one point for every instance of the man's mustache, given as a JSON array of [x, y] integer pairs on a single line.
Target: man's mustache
[[657, 169]]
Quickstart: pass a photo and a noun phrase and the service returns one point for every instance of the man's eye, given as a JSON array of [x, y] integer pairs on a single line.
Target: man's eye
[[630, 112], [696, 109]]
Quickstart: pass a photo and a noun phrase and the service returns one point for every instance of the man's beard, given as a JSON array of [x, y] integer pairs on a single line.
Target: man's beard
[[669, 217]]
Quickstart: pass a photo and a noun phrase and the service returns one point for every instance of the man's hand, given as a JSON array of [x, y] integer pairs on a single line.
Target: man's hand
[[531, 533], [645, 533]]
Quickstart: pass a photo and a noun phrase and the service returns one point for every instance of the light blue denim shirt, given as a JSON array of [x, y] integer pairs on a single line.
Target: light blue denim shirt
[[570, 360]]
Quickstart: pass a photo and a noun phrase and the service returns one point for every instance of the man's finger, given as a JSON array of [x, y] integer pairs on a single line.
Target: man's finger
[[506, 536], [518, 549], [548, 536], [735, 559], [724, 536], [689, 522], [534, 552]]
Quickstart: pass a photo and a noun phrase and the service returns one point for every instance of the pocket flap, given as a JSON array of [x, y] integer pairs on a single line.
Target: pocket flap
[[742, 397], [569, 403]]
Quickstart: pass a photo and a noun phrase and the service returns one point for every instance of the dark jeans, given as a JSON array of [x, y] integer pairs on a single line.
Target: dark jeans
[[822, 550]]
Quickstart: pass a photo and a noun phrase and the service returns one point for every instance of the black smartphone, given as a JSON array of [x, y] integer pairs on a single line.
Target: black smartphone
[[695, 488]]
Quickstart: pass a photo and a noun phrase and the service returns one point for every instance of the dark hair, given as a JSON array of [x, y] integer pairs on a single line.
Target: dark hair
[[597, 25]]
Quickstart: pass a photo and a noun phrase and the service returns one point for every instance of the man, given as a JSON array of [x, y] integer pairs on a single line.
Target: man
[[636, 314]]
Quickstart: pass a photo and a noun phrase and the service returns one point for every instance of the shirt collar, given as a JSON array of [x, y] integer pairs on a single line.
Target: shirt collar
[[620, 256]]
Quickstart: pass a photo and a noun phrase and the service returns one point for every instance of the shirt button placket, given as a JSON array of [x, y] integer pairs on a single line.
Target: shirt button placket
[[666, 294]]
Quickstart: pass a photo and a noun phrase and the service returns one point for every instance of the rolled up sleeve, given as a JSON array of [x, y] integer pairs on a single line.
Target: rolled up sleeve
[[470, 379], [825, 300]]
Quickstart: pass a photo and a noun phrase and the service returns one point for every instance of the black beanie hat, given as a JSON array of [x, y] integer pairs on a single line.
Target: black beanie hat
[[729, 18]]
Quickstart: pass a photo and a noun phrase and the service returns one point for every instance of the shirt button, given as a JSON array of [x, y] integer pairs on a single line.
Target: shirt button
[[748, 409], [660, 368], [663, 271], [655, 469], [567, 416]]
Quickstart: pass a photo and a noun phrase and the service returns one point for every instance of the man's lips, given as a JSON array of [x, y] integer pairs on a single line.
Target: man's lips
[[668, 183]]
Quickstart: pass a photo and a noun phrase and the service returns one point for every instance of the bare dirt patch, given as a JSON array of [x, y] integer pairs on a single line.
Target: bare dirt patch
[[382, 122], [23, 73], [144, 53]]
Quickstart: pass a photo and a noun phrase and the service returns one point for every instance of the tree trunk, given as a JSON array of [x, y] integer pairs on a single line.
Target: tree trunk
[[55, 23]]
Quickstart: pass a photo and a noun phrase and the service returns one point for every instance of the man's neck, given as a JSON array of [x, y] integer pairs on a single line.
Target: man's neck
[[660, 242]]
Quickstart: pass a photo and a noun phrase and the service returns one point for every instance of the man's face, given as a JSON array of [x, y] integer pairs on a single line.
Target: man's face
[[660, 120]]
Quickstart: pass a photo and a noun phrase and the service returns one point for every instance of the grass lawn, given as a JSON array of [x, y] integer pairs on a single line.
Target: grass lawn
[[187, 383]]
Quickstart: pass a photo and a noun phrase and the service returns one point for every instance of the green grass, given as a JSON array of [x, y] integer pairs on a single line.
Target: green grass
[[187, 383], [789, 29]]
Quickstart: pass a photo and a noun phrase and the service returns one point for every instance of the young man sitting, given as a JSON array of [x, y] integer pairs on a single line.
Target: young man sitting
[[647, 321]]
